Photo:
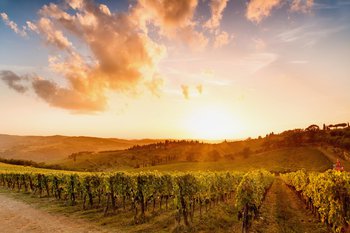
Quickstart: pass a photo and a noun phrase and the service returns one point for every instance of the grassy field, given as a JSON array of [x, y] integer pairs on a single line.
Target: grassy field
[[221, 218], [279, 160], [276, 212], [20, 169], [283, 160], [282, 211], [50, 149]]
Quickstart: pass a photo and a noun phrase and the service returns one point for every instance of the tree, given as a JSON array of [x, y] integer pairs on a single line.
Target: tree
[[246, 152], [214, 155], [190, 157], [313, 128]]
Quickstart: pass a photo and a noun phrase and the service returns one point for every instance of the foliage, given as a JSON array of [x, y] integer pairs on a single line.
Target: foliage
[[250, 194], [109, 191], [327, 194]]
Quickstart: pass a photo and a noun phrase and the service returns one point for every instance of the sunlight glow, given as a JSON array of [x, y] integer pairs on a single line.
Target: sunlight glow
[[213, 123]]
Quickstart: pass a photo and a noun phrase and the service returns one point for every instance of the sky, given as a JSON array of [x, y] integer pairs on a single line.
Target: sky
[[189, 69]]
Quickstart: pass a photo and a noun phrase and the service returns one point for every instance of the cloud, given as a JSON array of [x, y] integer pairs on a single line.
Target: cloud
[[122, 58], [308, 34], [196, 40], [199, 88], [185, 91], [155, 85], [304, 6], [216, 8], [105, 9], [221, 39], [123, 48], [174, 19], [31, 26], [13, 81], [169, 14], [259, 9], [12, 25], [68, 98], [53, 36]]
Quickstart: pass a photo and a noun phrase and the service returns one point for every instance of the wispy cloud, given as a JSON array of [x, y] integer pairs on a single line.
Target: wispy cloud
[[217, 7], [127, 34], [257, 61], [53, 36], [335, 5], [12, 25], [308, 33], [259, 9], [304, 6], [222, 39], [88, 81], [185, 91], [199, 88]]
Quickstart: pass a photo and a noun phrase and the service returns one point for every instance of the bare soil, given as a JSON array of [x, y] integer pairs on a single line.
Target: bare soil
[[16, 216]]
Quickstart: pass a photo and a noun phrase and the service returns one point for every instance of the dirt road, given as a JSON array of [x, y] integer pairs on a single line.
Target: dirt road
[[283, 212], [16, 216]]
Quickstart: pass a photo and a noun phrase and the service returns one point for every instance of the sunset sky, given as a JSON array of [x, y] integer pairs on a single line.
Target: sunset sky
[[206, 69]]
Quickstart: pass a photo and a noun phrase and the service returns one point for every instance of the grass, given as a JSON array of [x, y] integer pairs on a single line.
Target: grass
[[221, 218], [172, 153], [283, 211], [282, 160]]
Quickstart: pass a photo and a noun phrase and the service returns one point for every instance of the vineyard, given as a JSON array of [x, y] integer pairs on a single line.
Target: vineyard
[[326, 194], [185, 194]]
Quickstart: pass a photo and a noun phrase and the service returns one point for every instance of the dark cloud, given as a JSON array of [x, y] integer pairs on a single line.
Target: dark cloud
[[123, 56], [67, 98], [13, 81]]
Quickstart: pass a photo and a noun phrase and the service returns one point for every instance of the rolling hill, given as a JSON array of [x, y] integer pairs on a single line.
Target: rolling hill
[[288, 151], [50, 149]]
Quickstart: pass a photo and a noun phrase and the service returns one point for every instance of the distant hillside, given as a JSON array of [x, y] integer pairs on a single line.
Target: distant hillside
[[53, 148], [101, 154], [161, 153], [318, 150]]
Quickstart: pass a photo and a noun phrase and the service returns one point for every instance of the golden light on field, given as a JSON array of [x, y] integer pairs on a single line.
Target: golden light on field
[[159, 69], [213, 123]]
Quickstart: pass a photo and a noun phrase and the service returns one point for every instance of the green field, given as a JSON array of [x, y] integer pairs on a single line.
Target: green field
[[281, 210], [283, 160], [279, 160]]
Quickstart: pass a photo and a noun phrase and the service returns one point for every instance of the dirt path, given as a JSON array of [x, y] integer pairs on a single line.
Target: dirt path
[[283, 212], [16, 216]]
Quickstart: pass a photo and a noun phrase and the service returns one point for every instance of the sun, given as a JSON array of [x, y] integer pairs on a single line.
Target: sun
[[213, 123]]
